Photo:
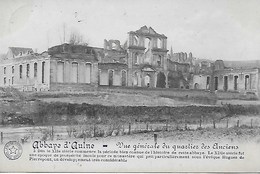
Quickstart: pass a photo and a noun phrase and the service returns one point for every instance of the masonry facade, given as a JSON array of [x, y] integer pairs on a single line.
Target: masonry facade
[[142, 61], [64, 66], [25, 70], [218, 77], [147, 58]]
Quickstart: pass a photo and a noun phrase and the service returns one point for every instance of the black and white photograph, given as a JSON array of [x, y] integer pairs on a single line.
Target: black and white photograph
[[129, 86]]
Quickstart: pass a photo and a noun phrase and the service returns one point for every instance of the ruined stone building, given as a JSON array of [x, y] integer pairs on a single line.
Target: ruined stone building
[[147, 58], [142, 61], [112, 67], [62, 67], [25, 70], [72, 66], [239, 77]]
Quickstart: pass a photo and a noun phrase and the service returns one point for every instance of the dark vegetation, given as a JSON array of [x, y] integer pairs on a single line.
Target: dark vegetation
[[18, 108], [64, 113]]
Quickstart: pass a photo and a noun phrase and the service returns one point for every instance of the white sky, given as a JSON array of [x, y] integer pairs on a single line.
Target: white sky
[[213, 29]]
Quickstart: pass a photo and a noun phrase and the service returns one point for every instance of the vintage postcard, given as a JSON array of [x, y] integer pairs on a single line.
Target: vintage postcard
[[129, 86]]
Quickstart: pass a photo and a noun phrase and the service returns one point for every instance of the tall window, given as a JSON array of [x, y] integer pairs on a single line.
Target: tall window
[[159, 60], [43, 67], [147, 42], [247, 83], [208, 82], [35, 69], [235, 82], [159, 43], [123, 78], [5, 80], [27, 70], [60, 72], [4, 70], [12, 80], [136, 40], [216, 83], [88, 73], [12, 69], [225, 83], [74, 72], [21, 71], [110, 77], [135, 61]]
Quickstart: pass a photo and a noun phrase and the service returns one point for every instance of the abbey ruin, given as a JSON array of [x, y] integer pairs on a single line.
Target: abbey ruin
[[142, 61]]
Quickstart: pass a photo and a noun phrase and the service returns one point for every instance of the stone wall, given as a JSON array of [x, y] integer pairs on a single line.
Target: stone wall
[[31, 73], [240, 80]]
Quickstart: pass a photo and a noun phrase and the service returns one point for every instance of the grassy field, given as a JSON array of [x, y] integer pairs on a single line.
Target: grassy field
[[107, 113]]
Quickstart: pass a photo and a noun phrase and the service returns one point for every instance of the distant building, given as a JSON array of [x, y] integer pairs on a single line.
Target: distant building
[[73, 67], [25, 70], [61, 67], [219, 77]]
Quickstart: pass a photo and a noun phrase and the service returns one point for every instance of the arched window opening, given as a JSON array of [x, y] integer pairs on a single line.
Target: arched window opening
[[123, 78], [43, 70], [74, 73], [135, 40], [161, 80], [12, 69], [110, 77], [216, 83], [235, 82], [196, 86], [88, 72], [21, 71], [247, 82], [147, 45], [159, 60], [27, 70], [147, 79], [159, 43], [35, 69], [225, 83], [135, 58], [60, 72], [135, 79], [208, 82]]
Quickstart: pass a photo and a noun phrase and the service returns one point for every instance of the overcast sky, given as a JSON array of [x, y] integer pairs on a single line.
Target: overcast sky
[[213, 29]]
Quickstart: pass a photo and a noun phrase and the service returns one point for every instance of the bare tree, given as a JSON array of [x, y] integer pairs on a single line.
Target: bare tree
[[77, 39]]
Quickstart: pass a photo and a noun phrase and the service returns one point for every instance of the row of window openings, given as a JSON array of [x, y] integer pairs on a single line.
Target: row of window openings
[[247, 83], [9, 81], [159, 60], [147, 42], [12, 70], [111, 77], [27, 71]]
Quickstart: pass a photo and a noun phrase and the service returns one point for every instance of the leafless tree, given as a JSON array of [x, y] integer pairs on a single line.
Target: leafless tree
[[77, 39]]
